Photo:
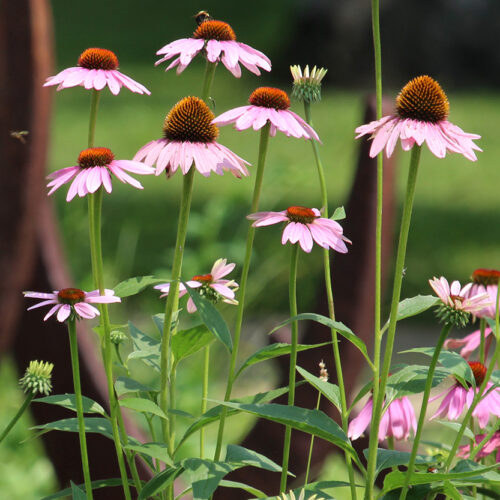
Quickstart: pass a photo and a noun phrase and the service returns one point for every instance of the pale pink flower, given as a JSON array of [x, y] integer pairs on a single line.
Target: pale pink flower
[[211, 286], [96, 69], [72, 301], [190, 138], [457, 397], [421, 116], [458, 297], [492, 445], [304, 225], [469, 343], [397, 420], [94, 169], [486, 281], [268, 104], [218, 42]]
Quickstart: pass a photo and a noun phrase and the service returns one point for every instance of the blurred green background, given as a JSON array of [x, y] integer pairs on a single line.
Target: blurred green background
[[454, 231]]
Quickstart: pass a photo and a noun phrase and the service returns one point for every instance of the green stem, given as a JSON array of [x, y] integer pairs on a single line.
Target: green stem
[[378, 255], [263, 146], [292, 296], [479, 393], [425, 400], [204, 396], [311, 445], [73, 344], [209, 80], [94, 106], [17, 416], [396, 292], [482, 350], [331, 307]]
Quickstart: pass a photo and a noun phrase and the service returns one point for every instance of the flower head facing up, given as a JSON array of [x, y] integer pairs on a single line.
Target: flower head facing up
[[397, 421], [72, 302], [457, 397], [421, 116], [304, 225], [457, 304], [96, 69], [268, 105], [190, 138], [211, 286], [307, 84], [485, 281], [217, 40], [95, 169], [38, 378]]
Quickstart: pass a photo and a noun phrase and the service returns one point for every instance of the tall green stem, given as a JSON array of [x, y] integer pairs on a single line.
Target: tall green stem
[[378, 257], [331, 307], [94, 106], [263, 145], [311, 446], [209, 80], [482, 349], [423, 409], [396, 292], [73, 344], [18, 415], [292, 297], [204, 396]]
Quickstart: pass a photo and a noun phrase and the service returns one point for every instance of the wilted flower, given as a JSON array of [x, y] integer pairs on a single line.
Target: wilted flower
[[492, 445], [268, 104], [218, 41], [72, 301], [96, 69], [421, 116], [307, 85], [37, 378], [304, 225], [94, 169], [190, 138], [323, 372], [210, 286]]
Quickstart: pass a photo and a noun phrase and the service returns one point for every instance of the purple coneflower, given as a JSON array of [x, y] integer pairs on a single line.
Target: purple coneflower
[[304, 225], [492, 445], [94, 169], [469, 343], [211, 286], [421, 116], [96, 69], [268, 104], [72, 301], [486, 281], [190, 137], [218, 41]]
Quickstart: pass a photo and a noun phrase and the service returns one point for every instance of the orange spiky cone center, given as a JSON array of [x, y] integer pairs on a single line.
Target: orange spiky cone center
[[95, 58], [215, 30], [95, 157], [301, 214], [270, 97]]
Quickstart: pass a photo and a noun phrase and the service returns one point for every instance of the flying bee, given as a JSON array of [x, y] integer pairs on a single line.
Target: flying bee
[[19, 135], [203, 16]]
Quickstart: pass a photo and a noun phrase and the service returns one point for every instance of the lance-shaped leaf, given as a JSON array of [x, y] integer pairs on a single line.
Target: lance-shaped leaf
[[335, 325], [274, 351], [187, 342], [330, 391], [154, 450], [76, 492], [146, 348], [133, 286], [96, 424], [244, 456], [392, 458], [415, 305], [98, 483], [159, 482], [69, 401], [211, 318], [142, 405], [126, 385], [245, 487]]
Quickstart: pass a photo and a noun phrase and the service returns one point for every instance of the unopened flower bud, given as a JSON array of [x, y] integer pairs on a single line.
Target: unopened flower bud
[[323, 372], [307, 84], [117, 337], [37, 378]]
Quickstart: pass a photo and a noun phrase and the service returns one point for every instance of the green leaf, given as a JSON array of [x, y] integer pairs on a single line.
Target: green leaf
[[456, 426], [330, 391], [415, 305], [336, 325], [142, 405], [154, 450], [250, 489], [205, 475], [453, 362], [76, 492], [392, 458], [159, 320], [214, 413], [98, 483], [181, 413], [450, 491], [187, 342], [126, 385], [146, 348], [274, 351], [415, 493], [99, 329], [69, 401], [159, 482], [132, 286], [339, 214], [244, 456], [313, 422], [212, 318], [95, 424]]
